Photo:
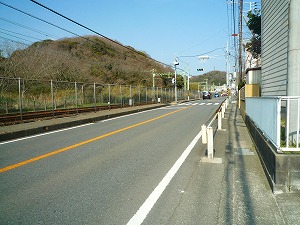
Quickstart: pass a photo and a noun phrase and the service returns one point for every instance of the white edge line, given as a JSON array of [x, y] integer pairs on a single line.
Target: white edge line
[[43, 134], [143, 211]]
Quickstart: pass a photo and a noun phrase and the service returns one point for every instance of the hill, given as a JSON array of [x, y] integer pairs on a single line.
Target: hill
[[86, 59], [213, 77]]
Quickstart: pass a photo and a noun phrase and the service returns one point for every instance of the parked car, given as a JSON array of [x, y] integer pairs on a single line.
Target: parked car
[[217, 95], [206, 95]]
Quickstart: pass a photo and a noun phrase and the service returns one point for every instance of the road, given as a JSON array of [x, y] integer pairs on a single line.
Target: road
[[130, 169]]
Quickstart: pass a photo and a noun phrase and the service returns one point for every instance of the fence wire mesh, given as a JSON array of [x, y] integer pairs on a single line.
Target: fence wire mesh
[[24, 95]]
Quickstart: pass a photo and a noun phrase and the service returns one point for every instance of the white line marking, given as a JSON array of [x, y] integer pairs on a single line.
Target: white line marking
[[128, 115], [69, 128], [143, 211], [43, 134]]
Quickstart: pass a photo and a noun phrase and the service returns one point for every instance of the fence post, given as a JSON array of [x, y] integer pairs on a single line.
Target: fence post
[[210, 143], [6, 107], [20, 99], [109, 95], [139, 94], [76, 97], [52, 98], [121, 96], [95, 100]]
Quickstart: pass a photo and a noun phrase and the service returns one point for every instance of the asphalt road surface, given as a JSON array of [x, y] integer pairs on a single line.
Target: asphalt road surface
[[127, 170]]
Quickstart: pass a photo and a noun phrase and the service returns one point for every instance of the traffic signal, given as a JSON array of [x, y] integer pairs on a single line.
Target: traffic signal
[[200, 69]]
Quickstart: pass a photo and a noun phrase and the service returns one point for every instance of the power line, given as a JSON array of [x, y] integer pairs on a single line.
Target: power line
[[28, 28], [14, 41], [186, 56], [18, 34], [61, 28], [15, 36]]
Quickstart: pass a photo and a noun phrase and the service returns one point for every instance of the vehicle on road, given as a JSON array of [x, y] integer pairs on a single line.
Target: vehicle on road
[[206, 95], [217, 95]]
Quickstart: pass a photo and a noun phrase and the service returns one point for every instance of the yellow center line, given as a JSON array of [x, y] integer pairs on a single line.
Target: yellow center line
[[13, 166]]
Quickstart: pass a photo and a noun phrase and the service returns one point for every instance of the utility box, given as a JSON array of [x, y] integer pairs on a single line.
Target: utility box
[[131, 102], [252, 90]]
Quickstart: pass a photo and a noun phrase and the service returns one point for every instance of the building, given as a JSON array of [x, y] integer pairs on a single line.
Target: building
[[274, 118], [280, 48]]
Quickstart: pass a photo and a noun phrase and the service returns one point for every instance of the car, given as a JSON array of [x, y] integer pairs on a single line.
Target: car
[[206, 95], [217, 95]]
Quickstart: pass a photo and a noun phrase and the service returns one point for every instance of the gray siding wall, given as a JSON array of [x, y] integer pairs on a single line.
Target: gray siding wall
[[274, 47]]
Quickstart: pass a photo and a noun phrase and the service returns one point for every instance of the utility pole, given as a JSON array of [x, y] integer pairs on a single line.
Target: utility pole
[[227, 66], [239, 80], [153, 85], [176, 63]]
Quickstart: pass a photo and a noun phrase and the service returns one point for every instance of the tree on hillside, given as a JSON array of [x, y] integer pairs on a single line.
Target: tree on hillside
[[90, 59]]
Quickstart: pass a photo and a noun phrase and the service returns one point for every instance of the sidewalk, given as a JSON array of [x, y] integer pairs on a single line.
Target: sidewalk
[[247, 197]]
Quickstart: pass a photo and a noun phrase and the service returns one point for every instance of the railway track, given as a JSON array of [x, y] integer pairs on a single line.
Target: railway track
[[15, 118]]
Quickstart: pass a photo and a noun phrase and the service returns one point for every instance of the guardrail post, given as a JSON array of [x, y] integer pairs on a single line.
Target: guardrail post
[[223, 110], [226, 103], [210, 143], [219, 120], [204, 134]]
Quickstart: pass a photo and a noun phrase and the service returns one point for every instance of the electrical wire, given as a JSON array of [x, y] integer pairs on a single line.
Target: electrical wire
[[20, 34], [15, 36], [28, 28], [27, 45], [185, 56], [95, 32]]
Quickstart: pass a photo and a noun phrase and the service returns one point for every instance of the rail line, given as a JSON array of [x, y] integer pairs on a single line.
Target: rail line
[[15, 118]]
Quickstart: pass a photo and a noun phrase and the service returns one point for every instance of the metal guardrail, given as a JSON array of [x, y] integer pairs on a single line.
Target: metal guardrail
[[279, 120]]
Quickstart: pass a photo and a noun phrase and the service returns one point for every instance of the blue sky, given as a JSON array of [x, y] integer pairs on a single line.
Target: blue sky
[[165, 29]]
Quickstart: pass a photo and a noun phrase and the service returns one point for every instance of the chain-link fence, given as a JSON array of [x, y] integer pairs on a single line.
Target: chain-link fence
[[24, 95]]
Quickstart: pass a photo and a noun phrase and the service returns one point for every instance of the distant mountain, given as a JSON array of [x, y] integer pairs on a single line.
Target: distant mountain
[[87, 59], [213, 77]]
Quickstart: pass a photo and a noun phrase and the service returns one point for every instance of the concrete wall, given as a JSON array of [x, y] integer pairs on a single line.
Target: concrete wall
[[282, 170]]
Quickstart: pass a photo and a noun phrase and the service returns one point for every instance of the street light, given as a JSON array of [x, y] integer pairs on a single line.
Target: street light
[[206, 57], [176, 63], [203, 57]]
